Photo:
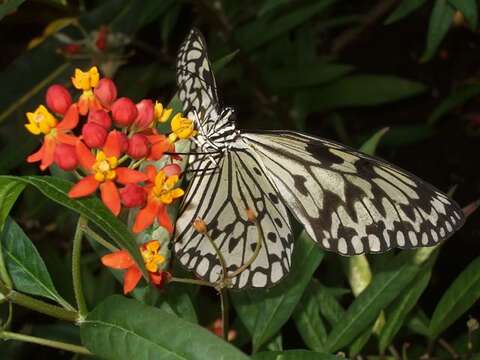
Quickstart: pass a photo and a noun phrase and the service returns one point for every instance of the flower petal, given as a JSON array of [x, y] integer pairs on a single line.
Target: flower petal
[[67, 139], [129, 176], [118, 260], [49, 152], [37, 156], [110, 196], [164, 219], [146, 216], [70, 120], [86, 186], [172, 169], [131, 279], [85, 156], [113, 146]]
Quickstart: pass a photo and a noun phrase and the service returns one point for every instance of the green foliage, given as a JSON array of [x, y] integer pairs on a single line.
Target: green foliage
[[265, 313], [459, 297], [25, 265], [92, 208], [438, 26], [120, 328]]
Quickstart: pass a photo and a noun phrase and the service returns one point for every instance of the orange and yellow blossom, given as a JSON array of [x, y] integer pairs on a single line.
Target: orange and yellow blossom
[[41, 121], [182, 128], [154, 262], [161, 193], [87, 81], [104, 172]]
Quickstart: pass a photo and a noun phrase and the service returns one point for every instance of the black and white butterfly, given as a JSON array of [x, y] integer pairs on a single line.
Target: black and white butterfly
[[348, 202]]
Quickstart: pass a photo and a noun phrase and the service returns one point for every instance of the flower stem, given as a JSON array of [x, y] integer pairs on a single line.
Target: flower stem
[[4, 275], [191, 281], [76, 269], [7, 335], [98, 239], [38, 305], [224, 308]]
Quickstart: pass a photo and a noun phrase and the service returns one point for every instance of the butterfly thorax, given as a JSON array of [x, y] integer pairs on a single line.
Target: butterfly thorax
[[218, 133]]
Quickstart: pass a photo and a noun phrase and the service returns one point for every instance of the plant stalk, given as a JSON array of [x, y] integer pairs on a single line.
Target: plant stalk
[[7, 335], [38, 305], [76, 267]]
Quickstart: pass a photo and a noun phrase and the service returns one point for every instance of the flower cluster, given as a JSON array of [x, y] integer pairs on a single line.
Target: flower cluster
[[112, 145]]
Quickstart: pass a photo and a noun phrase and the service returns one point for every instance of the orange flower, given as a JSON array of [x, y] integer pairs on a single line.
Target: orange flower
[[41, 121], [154, 262], [104, 173], [161, 193], [87, 81]]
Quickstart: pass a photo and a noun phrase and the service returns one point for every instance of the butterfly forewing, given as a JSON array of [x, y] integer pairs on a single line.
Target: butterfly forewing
[[220, 196], [197, 89], [350, 202]]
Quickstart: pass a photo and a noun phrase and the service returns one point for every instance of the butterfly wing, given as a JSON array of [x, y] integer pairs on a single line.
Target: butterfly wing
[[220, 196], [350, 202], [196, 83]]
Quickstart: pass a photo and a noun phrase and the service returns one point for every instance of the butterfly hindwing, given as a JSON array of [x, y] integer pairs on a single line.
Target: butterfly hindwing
[[350, 202], [220, 196]]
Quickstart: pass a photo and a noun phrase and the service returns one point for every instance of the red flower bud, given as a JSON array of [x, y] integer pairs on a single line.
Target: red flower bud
[[124, 112], [58, 99], [71, 49], [65, 157], [123, 139], [101, 118], [94, 135], [138, 146], [133, 195], [146, 114], [106, 92], [101, 42]]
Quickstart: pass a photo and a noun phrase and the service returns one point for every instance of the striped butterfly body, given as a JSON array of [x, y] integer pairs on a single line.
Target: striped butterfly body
[[348, 202]]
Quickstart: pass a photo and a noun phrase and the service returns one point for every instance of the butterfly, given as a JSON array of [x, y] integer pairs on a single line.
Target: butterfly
[[348, 202]]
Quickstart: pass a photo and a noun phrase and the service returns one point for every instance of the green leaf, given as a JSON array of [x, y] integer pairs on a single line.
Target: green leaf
[[9, 6], [405, 8], [265, 312], [330, 307], [370, 146], [25, 265], [469, 9], [439, 24], [260, 32], [454, 100], [221, 63], [120, 328], [403, 305], [383, 289], [91, 207], [359, 343], [459, 297], [361, 90], [271, 5], [293, 355], [403, 135], [9, 193], [291, 78], [308, 320]]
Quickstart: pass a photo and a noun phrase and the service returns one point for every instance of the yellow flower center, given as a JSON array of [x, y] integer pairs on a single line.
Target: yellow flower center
[[182, 128], [86, 80], [40, 121], [104, 167], [164, 189], [151, 257]]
